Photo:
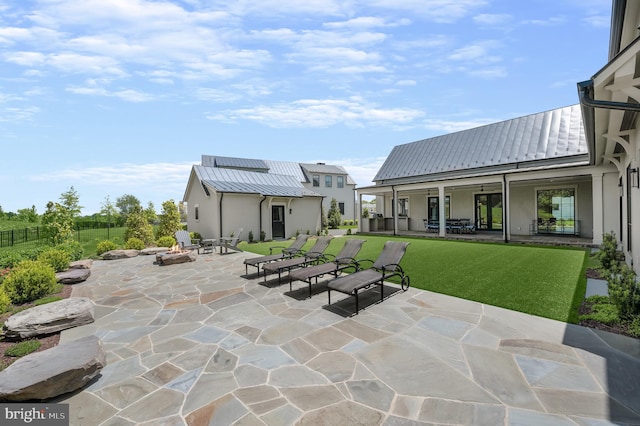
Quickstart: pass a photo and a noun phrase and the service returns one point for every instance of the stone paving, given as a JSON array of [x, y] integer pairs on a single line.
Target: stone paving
[[198, 343]]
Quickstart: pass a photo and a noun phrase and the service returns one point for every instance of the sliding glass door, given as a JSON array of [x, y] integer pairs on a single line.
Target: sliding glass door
[[556, 211], [489, 212]]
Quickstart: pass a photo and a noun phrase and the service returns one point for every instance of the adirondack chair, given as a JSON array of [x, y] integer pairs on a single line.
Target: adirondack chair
[[185, 242], [231, 242]]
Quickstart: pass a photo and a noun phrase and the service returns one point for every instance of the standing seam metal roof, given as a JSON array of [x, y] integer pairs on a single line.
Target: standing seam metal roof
[[556, 134], [247, 182]]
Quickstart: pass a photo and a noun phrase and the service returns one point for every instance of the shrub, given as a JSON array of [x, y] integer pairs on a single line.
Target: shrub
[[138, 227], [58, 259], [5, 301], [105, 246], [74, 248], [263, 236], [624, 290], [166, 242], [169, 219], [250, 236], [634, 327], [29, 280], [22, 348], [197, 236], [602, 310], [608, 253], [134, 243], [349, 231]]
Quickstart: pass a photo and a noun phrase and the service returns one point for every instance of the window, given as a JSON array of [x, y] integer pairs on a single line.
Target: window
[[328, 181], [341, 208], [316, 180], [340, 181], [403, 207], [556, 211], [197, 212], [433, 206]]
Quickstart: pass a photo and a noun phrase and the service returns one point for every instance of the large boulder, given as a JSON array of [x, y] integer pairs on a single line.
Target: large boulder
[[119, 254], [56, 371], [49, 318], [81, 264], [73, 276]]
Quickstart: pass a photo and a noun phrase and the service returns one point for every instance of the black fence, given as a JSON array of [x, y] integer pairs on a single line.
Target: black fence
[[85, 231]]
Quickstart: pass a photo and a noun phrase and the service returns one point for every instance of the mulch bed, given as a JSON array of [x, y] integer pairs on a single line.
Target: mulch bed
[[46, 342]]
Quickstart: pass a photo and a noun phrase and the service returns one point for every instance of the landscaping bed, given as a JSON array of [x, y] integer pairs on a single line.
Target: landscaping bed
[[46, 342]]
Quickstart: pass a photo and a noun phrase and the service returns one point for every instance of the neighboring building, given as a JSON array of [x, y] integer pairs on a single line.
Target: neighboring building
[[275, 197], [572, 170]]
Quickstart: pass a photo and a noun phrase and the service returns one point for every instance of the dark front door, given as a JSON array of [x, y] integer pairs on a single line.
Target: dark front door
[[489, 212], [277, 221]]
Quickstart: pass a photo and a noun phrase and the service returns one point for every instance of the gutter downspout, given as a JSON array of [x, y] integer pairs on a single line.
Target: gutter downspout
[[585, 90], [264, 197], [220, 211]]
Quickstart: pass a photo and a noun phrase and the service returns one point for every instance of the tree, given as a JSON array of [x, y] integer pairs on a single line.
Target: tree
[[138, 227], [182, 208], [169, 220], [334, 217], [28, 215], [57, 222], [109, 211], [150, 213], [126, 204], [1, 213], [70, 200]]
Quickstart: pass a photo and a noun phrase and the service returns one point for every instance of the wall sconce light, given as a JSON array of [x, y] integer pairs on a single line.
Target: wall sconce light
[[633, 175], [290, 211]]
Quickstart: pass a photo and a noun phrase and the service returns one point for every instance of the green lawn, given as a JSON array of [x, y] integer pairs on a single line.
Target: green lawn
[[543, 281]]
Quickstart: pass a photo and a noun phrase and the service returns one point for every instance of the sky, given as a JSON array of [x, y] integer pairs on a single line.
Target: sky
[[115, 97]]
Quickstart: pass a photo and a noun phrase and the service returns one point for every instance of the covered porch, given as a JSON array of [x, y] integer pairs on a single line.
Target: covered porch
[[542, 207]]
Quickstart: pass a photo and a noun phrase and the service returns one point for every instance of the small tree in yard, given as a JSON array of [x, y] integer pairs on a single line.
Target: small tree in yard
[[335, 218], [57, 222], [169, 220], [138, 227]]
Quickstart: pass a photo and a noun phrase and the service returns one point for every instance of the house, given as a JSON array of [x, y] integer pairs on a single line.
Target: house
[[276, 199], [610, 102], [569, 171], [521, 176]]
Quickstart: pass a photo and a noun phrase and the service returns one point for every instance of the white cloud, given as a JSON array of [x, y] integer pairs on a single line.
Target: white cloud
[[550, 22], [449, 126], [16, 114], [598, 21], [495, 19], [128, 95], [445, 11], [321, 113]]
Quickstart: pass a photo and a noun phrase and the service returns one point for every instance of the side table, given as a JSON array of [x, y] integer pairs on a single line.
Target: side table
[[208, 245]]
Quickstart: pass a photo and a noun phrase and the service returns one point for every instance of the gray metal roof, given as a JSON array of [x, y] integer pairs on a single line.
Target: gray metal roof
[[248, 182], [286, 168], [555, 136]]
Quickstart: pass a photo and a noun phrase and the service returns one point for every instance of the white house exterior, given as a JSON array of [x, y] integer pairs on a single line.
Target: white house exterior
[[224, 194], [610, 102], [332, 182]]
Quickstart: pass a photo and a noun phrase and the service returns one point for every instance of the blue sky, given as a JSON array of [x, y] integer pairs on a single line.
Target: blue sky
[[119, 97]]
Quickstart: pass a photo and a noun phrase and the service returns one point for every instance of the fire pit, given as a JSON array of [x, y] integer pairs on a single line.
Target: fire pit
[[176, 255]]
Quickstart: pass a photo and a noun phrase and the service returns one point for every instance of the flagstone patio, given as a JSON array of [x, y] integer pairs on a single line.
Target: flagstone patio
[[197, 343]]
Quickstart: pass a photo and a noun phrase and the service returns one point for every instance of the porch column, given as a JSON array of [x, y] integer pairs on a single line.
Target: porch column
[[441, 213], [359, 212], [506, 234], [394, 209], [598, 207]]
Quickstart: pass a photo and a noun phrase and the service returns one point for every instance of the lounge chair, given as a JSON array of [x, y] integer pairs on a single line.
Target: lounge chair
[[387, 265], [185, 242], [285, 252], [231, 242], [301, 259], [343, 260]]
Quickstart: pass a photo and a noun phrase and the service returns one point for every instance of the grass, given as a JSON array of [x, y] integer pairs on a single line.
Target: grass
[[544, 281]]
